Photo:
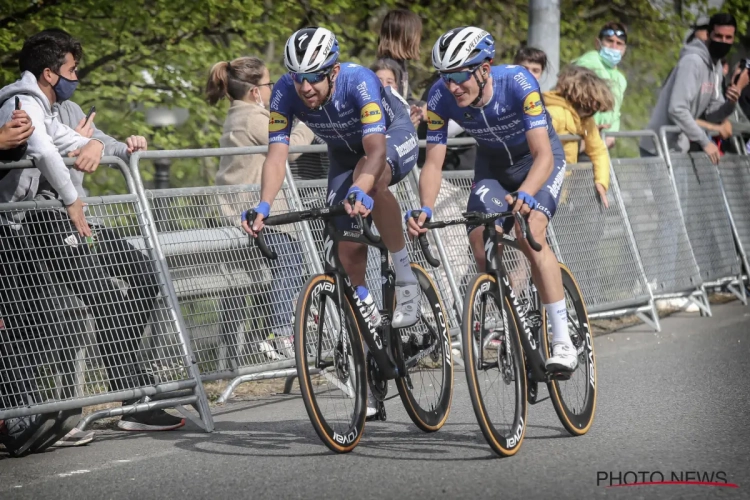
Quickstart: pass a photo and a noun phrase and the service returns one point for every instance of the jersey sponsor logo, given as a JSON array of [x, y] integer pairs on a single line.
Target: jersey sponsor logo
[[541, 122], [434, 138], [522, 81], [467, 115], [406, 146], [482, 192], [279, 138], [374, 129], [276, 99], [277, 122], [532, 105], [554, 189], [434, 122], [371, 113], [433, 102], [362, 88]]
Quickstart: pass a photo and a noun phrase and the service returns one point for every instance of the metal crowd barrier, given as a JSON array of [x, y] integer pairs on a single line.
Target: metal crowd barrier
[[211, 307], [80, 320], [709, 226]]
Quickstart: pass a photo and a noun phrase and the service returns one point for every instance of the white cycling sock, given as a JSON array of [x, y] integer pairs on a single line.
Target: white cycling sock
[[557, 316], [401, 265]]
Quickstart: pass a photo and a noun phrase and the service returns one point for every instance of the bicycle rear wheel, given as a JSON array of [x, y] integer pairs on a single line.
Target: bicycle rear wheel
[[330, 365], [574, 399], [494, 363], [428, 359]]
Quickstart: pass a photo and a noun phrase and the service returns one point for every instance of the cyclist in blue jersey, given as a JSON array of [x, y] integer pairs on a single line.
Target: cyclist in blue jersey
[[372, 144], [519, 157]]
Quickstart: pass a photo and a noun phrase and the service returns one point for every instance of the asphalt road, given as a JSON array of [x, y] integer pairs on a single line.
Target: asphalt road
[[677, 402]]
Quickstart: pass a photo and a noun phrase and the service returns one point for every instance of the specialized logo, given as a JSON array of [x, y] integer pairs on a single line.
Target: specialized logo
[[301, 39], [482, 191], [532, 105], [277, 122], [371, 113], [434, 122]]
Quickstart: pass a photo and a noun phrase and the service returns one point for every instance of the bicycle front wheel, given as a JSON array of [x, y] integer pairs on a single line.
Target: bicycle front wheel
[[428, 392], [495, 370], [574, 399], [330, 365]]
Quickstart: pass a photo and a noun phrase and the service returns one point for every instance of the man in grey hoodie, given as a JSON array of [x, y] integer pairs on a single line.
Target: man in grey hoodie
[[699, 73]]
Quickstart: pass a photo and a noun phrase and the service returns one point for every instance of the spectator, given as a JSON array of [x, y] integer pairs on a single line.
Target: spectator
[[725, 127], [389, 73], [399, 40], [123, 261], [611, 45], [247, 84], [578, 95], [532, 59], [700, 31], [48, 63], [698, 93]]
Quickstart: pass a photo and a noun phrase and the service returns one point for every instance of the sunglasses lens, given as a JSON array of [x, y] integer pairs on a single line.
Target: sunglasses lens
[[310, 77], [458, 77]]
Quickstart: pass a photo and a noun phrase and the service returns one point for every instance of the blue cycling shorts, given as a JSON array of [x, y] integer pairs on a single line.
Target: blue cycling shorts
[[488, 191], [402, 149]]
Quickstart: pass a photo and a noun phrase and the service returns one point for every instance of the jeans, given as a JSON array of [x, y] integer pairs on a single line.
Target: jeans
[[287, 275]]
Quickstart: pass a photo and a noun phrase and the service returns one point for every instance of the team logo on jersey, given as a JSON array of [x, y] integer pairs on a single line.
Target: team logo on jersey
[[532, 105], [434, 122], [467, 115], [371, 113], [276, 122]]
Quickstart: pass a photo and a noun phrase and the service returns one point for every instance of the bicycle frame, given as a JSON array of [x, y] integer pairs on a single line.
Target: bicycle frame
[[380, 347], [531, 343], [495, 267]]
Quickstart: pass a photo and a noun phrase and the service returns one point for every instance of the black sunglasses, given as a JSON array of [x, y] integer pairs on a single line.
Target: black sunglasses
[[611, 32]]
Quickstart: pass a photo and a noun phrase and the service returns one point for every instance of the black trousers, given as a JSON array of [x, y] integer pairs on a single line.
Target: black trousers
[[86, 270]]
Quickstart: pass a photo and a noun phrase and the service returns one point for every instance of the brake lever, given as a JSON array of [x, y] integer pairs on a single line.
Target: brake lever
[[424, 244], [260, 240]]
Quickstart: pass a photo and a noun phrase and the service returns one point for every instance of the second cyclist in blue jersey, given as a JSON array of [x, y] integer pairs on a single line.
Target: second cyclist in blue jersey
[[372, 144], [520, 163]]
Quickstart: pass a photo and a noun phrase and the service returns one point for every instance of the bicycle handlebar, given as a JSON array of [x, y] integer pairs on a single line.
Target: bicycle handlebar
[[478, 218], [322, 213]]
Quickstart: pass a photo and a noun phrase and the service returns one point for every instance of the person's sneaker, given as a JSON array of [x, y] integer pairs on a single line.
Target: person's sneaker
[[266, 348], [75, 437], [152, 420], [564, 358], [285, 347], [408, 305]]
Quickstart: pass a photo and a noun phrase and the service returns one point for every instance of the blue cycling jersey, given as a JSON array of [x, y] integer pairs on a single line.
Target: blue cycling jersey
[[354, 110], [516, 106]]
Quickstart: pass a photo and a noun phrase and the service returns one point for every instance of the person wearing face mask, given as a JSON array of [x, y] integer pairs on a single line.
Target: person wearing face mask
[[611, 45], [247, 84], [694, 90]]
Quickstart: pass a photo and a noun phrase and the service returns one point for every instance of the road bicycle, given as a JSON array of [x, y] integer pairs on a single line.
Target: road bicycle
[[507, 347], [330, 324]]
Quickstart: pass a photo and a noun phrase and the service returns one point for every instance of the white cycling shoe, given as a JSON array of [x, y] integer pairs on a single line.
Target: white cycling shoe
[[564, 358], [408, 305]]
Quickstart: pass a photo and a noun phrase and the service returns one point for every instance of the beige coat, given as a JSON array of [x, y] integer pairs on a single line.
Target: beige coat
[[247, 125]]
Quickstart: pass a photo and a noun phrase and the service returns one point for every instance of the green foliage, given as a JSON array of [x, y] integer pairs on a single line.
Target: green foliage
[[146, 53]]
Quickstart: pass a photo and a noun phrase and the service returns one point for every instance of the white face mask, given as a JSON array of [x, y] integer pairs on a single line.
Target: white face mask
[[259, 100]]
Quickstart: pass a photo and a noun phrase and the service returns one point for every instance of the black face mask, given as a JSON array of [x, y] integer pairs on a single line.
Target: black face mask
[[718, 49]]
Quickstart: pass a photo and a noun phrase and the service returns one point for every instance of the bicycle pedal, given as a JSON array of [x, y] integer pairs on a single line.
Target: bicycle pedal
[[561, 375], [379, 414]]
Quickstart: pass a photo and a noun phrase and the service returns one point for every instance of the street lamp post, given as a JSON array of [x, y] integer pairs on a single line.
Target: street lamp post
[[164, 117]]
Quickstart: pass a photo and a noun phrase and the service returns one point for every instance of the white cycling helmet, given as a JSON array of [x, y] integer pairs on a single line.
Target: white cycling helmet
[[462, 47], [311, 50]]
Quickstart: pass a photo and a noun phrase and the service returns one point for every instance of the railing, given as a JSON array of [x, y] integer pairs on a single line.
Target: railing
[[194, 300]]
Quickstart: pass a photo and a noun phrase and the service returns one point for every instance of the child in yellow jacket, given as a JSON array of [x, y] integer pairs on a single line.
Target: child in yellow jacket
[[578, 95]]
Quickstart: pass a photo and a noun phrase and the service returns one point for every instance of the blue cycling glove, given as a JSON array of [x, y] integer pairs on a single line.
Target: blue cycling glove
[[528, 199], [426, 210], [361, 197], [263, 208]]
